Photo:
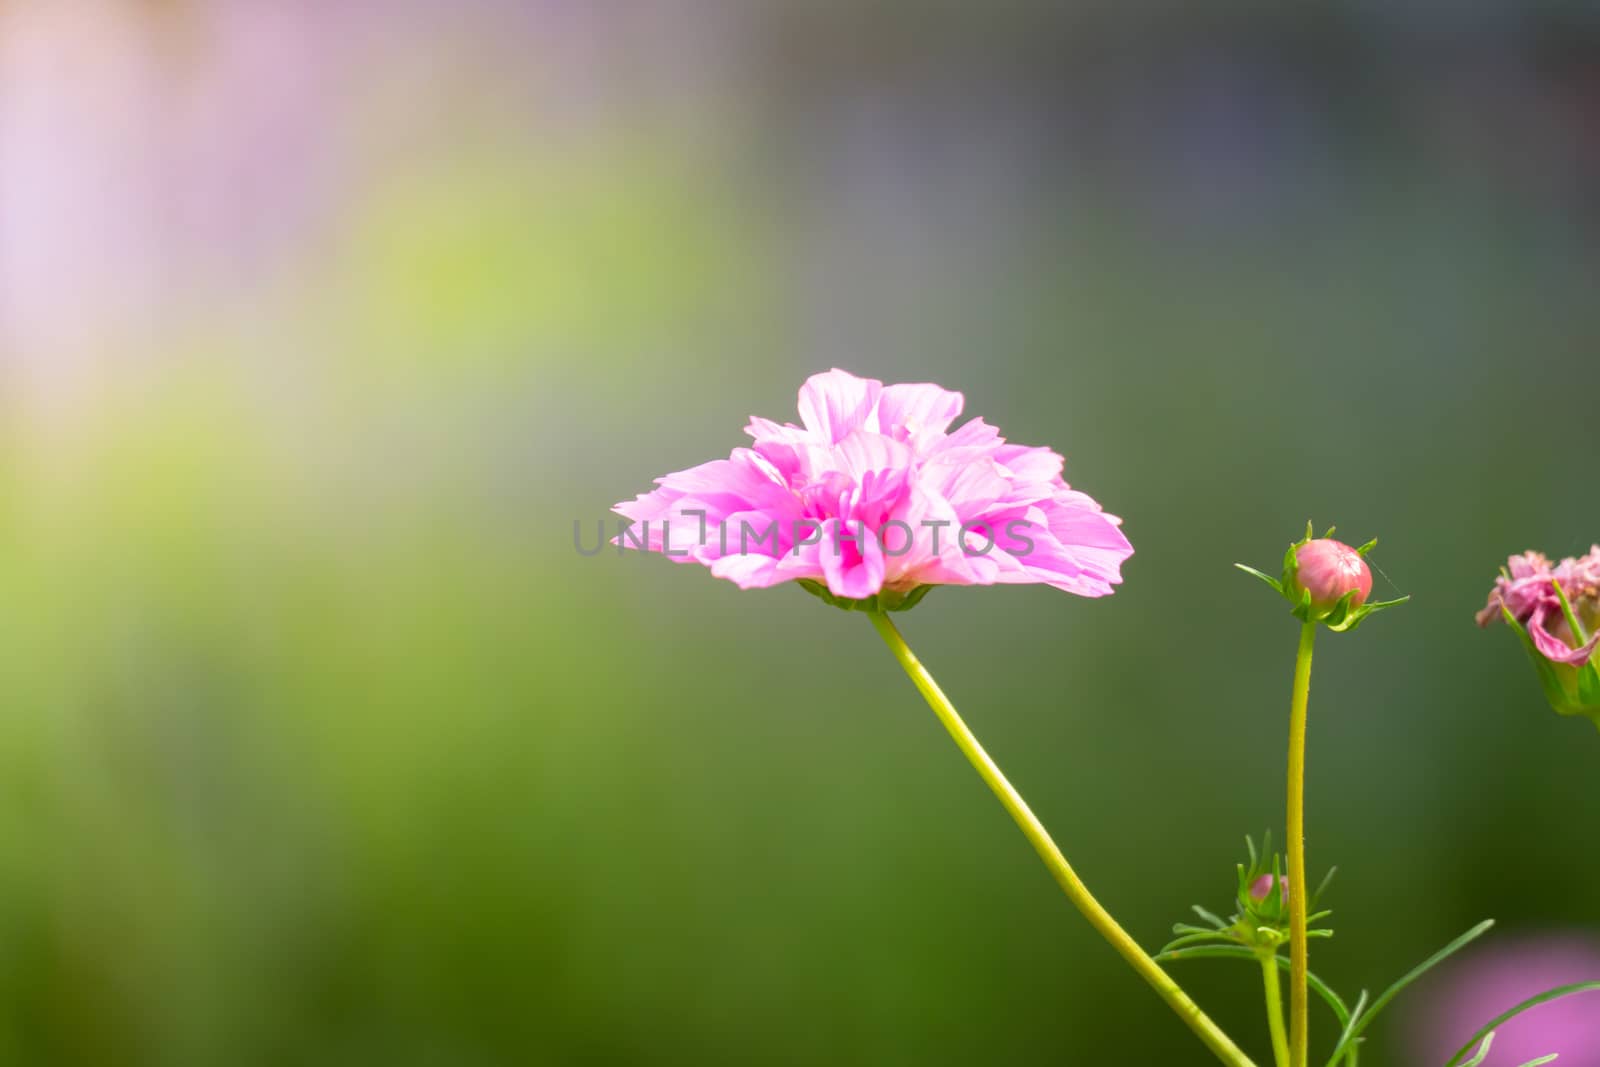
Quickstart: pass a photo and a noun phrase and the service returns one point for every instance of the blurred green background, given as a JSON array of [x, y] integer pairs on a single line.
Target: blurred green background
[[321, 325]]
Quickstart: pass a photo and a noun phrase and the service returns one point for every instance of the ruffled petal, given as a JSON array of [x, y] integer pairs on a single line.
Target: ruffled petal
[[1553, 648], [852, 565], [836, 402], [910, 410]]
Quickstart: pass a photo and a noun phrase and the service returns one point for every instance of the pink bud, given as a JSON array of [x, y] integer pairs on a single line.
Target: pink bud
[[1330, 569], [1263, 885]]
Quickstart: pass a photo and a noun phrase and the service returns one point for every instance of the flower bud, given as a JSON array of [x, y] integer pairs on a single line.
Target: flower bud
[[1326, 582], [1330, 570], [1261, 887]]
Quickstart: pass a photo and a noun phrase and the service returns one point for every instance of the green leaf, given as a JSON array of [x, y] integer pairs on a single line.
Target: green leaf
[[1210, 918], [1359, 1024], [1532, 1002], [1239, 952]]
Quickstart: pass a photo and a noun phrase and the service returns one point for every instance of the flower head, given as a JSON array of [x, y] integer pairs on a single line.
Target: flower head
[[873, 499], [1327, 581], [1531, 591], [1555, 609]]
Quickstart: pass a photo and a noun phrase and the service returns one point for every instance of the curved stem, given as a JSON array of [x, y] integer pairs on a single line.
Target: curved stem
[[1280, 1040], [1299, 1005], [1158, 979]]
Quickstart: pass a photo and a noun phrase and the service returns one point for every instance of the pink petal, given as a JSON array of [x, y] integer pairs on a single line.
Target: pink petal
[[851, 569], [924, 563], [863, 450], [750, 572], [1030, 464], [837, 402], [912, 409], [971, 486], [974, 438], [1553, 648]]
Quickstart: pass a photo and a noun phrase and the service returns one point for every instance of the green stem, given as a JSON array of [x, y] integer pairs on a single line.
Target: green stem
[[1158, 979], [1299, 1005], [1280, 1040]]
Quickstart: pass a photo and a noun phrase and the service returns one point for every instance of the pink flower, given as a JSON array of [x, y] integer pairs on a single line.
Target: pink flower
[[1482, 983], [1527, 589], [874, 492], [1330, 570]]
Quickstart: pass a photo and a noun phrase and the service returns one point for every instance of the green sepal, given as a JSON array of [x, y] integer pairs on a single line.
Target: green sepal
[[1355, 618], [1276, 585], [887, 600]]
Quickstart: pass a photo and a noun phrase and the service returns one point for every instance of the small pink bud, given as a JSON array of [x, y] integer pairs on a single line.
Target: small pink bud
[[1263, 885], [1329, 569]]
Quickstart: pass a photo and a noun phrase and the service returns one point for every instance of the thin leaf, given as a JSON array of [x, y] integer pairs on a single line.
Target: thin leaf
[[1410, 976], [1543, 1059], [1348, 1036], [1532, 1002], [1210, 918]]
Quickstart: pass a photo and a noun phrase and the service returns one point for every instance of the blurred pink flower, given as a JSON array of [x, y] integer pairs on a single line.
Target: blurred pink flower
[[874, 492], [1486, 982], [1527, 589]]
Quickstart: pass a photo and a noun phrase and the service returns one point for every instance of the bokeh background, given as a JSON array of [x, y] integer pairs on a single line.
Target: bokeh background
[[322, 323]]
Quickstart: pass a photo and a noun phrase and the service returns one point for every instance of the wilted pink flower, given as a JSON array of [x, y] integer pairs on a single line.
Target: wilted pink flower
[[1527, 589], [874, 492], [1484, 982], [1329, 570]]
